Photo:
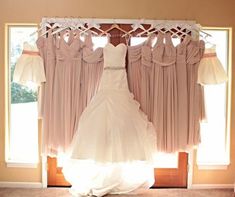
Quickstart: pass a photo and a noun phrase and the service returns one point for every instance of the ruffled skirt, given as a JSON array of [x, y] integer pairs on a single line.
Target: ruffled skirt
[[113, 148]]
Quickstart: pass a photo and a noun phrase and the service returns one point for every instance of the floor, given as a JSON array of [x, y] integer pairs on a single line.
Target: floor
[[63, 192]]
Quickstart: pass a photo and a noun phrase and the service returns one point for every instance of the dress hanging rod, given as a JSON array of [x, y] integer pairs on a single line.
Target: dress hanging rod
[[167, 23], [119, 21]]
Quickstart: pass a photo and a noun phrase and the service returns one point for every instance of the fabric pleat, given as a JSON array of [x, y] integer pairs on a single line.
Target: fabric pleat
[[164, 79]]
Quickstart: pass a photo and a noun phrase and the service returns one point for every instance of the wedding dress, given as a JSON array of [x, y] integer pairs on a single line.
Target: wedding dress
[[113, 148]]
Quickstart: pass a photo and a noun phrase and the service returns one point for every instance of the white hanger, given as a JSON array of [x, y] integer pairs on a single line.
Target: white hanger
[[146, 31], [42, 26], [135, 26], [114, 26], [55, 25], [91, 25], [62, 27]]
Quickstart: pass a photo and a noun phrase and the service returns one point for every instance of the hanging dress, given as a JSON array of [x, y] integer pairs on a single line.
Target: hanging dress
[[46, 48], [165, 93], [210, 70], [182, 93], [140, 75], [92, 67], [66, 91], [112, 150], [91, 71], [29, 67], [134, 71], [196, 105]]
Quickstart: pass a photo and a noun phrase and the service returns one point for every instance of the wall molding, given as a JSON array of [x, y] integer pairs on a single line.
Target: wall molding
[[20, 184], [212, 186], [44, 171]]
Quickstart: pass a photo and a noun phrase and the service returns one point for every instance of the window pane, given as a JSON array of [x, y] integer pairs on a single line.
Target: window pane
[[213, 148], [23, 136], [138, 40], [97, 41]]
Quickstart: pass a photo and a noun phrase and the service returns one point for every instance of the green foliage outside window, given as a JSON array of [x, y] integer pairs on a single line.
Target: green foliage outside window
[[19, 93]]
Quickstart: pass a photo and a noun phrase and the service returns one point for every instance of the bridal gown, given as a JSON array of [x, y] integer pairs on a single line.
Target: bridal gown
[[113, 148]]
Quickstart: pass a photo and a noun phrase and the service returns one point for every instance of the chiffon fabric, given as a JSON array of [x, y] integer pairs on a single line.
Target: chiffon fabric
[[140, 75], [163, 79], [165, 93], [167, 89], [210, 70], [29, 67], [113, 148], [196, 111], [68, 88], [46, 48]]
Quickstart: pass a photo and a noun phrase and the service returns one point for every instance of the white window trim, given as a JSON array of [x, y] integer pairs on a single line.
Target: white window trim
[[21, 164], [224, 165], [213, 166], [11, 163]]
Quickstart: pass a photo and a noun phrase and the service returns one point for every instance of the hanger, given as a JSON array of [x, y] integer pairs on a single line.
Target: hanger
[[48, 25], [114, 26], [205, 38], [135, 26], [145, 31], [60, 29], [92, 25], [55, 25], [155, 28]]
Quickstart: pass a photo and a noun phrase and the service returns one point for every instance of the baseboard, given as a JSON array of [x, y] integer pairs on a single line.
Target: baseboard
[[212, 186], [21, 184]]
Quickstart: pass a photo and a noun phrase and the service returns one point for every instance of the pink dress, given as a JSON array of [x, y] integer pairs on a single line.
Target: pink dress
[[47, 52], [140, 75], [92, 68], [195, 51], [165, 93], [66, 90], [182, 92]]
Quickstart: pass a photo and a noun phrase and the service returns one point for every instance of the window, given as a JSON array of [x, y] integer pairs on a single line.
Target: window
[[214, 147], [98, 41], [23, 122]]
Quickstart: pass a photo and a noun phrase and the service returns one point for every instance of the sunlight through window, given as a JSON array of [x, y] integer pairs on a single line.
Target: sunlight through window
[[23, 135], [213, 149]]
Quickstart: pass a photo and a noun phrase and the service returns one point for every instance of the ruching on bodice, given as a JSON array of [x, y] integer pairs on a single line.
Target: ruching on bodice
[[164, 54], [195, 51], [146, 58], [91, 56], [70, 50], [92, 68]]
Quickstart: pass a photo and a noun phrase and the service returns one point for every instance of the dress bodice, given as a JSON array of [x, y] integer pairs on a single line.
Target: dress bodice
[[114, 73], [114, 56]]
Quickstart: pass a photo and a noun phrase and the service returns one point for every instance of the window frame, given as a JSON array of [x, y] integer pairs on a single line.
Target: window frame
[[223, 165], [7, 98]]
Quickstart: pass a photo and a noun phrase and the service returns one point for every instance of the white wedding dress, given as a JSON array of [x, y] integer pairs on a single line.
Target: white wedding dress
[[113, 148]]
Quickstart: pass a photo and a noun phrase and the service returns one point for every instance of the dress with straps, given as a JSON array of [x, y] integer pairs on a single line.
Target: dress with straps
[[66, 90], [47, 52], [195, 51], [165, 93], [140, 75]]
